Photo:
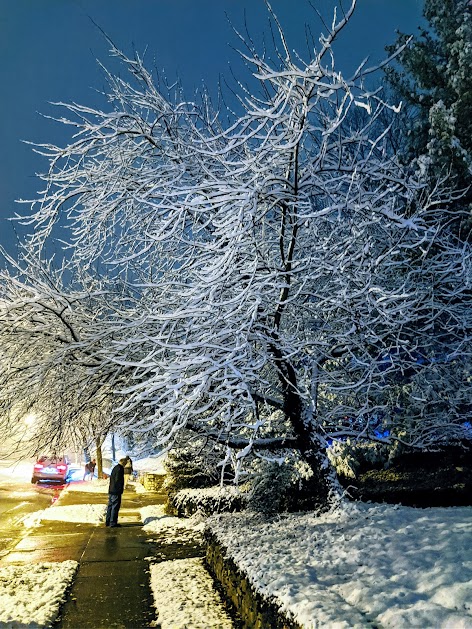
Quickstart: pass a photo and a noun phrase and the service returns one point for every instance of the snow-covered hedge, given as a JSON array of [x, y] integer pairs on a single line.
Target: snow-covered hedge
[[207, 501], [351, 456]]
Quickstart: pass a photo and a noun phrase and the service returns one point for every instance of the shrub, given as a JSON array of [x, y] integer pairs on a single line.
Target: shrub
[[207, 501], [280, 486], [351, 458], [193, 463]]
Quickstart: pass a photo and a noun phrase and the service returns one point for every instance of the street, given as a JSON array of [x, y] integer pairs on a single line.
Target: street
[[18, 498]]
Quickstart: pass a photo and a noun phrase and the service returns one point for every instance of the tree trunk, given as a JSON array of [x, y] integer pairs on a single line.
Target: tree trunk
[[87, 456], [323, 488], [98, 444]]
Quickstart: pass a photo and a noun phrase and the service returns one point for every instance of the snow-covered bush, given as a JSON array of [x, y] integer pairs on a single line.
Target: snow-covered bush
[[278, 486], [207, 501], [194, 463], [351, 457]]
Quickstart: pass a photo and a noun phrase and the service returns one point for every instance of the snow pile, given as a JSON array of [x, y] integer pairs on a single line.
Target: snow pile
[[184, 596], [154, 465], [17, 471], [87, 514], [138, 488], [96, 486], [75, 474], [30, 595], [361, 564], [171, 529]]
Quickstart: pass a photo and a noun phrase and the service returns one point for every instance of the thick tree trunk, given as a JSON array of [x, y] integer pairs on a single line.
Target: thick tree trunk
[[323, 488], [98, 444]]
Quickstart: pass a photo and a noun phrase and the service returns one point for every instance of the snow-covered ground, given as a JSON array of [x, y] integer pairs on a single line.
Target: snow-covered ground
[[17, 471], [155, 464], [30, 595], [86, 514], [362, 565], [95, 486], [184, 596], [171, 529]]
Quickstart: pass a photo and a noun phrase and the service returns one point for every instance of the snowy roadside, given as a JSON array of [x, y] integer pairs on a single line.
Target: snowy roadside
[[100, 486], [184, 596], [364, 563], [84, 514], [30, 595], [96, 486], [171, 529]]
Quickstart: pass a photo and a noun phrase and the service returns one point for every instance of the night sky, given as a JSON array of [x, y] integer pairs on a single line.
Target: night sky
[[49, 48]]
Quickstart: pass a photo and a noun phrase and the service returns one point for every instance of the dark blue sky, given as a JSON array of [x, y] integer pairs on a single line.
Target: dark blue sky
[[48, 51]]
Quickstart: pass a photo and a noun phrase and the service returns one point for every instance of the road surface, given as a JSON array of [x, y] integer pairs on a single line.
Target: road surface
[[18, 498]]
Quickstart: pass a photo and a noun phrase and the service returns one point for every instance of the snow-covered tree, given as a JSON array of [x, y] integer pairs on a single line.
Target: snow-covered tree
[[50, 366], [277, 257], [433, 77]]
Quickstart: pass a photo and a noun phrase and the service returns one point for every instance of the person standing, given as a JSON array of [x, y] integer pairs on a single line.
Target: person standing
[[115, 491], [128, 469], [90, 469]]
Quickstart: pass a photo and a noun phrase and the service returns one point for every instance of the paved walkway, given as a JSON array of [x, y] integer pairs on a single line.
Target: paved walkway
[[111, 589]]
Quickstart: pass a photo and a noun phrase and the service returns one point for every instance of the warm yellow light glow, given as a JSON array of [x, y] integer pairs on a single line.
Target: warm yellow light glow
[[30, 419]]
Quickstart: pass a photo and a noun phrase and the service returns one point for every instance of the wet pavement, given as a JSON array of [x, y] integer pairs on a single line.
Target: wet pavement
[[111, 589], [112, 586], [17, 500]]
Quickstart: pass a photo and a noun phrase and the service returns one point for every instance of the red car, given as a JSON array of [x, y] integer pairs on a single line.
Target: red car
[[51, 468]]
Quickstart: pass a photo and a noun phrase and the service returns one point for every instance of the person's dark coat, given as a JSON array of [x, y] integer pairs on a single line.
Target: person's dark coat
[[90, 467], [117, 480], [129, 466]]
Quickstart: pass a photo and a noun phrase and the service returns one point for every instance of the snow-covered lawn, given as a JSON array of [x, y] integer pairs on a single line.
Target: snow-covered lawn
[[154, 464], [363, 564], [17, 471], [185, 597], [30, 595], [171, 529], [86, 514]]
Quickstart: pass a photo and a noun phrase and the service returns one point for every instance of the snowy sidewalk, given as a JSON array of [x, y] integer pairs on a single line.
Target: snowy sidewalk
[[115, 578], [111, 587]]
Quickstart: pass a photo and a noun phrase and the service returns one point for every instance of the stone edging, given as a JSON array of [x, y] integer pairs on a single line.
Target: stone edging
[[151, 481], [255, 611]]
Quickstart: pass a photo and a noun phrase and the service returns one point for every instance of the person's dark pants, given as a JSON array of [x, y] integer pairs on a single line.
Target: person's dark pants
[[114, 504]]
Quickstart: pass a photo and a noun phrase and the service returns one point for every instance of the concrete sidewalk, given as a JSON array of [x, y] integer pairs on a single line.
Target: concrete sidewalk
[[111, 589]]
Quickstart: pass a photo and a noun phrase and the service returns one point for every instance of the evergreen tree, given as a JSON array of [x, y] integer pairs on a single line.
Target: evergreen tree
[[434, 79]]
